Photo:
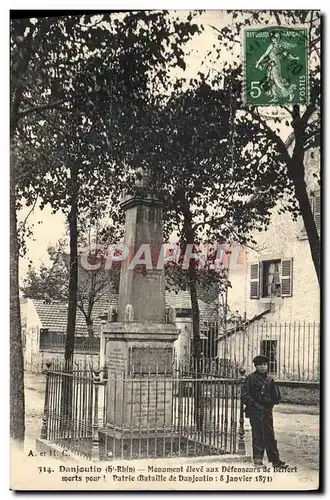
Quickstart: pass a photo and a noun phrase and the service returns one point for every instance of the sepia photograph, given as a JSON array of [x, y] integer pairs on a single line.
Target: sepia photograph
[[165, 225]]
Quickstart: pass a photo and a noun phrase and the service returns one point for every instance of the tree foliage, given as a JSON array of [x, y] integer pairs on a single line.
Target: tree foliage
[[50, 282], [64, 69], [303, 121], [196, 148]]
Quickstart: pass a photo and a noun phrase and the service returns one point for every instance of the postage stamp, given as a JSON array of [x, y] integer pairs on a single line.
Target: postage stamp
[[275, 66]]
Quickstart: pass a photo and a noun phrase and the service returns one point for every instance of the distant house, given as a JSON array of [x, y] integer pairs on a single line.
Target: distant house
[[208, 324], [44, 328]]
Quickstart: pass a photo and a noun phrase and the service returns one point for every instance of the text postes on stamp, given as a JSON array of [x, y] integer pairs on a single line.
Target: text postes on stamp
[[275, 66]]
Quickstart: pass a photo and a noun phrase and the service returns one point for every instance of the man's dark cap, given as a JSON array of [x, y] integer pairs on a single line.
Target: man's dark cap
[[258, 360]]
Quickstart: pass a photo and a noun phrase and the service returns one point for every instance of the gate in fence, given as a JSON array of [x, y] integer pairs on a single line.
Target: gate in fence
[[204, 417]]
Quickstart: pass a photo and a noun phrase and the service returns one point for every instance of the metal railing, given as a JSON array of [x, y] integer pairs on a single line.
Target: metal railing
[[99, 414], [69, 406], [293, 348], [53, 340]]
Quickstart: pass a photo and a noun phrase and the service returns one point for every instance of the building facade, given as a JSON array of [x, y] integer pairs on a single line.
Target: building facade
[[276, 292]]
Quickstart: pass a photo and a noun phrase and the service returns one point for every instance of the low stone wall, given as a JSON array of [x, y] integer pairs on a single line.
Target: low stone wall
[[301, 394], [37, 362]]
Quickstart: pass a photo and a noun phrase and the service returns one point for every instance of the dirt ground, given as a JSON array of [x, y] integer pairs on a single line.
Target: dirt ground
[[296, 427]]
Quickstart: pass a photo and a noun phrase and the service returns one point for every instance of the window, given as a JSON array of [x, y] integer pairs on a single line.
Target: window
[[271, 278], [315, 202], [183, 313], [23, 338], [316, 207], [208, 339], [269, 349]]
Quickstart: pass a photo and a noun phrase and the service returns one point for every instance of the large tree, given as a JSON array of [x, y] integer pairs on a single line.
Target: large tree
[[79, 175], [303, 122], [110, 56], [194, 148]]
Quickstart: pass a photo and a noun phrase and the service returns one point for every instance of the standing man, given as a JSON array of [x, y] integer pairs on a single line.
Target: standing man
[[260, 393]]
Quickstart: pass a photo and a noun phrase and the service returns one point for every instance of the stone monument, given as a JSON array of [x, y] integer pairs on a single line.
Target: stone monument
[[139, 345]]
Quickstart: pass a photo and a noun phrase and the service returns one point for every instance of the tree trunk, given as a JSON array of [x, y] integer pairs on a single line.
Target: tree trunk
[[296, 171], [89, 320], [309, 222], [67, 380], [196, 347], [192, 278], [73, 278], [90, 328], [17, 402]]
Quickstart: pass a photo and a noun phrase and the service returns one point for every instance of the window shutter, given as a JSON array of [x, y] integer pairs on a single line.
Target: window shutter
[[317, 210], [286, 278], [254, 282]]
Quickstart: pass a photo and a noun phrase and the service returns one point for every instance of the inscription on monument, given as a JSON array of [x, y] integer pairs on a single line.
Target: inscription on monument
[[117, 358], [148, 403], [145, 360]]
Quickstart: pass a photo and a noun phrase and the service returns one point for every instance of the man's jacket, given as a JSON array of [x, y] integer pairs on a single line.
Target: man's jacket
[[259, 391]]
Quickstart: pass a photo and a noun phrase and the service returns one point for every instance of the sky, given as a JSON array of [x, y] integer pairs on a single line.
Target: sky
[[47, 227]]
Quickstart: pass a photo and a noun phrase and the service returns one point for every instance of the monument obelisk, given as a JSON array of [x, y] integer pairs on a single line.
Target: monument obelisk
[[139, 347]]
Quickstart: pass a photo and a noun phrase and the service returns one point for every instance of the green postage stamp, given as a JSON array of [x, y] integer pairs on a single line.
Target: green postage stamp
[[275, 66]]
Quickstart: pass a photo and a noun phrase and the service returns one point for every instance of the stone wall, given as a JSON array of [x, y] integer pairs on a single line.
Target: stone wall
[[309, 396]]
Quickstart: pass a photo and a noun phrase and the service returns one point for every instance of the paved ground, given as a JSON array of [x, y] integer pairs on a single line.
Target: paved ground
[[296, 428]]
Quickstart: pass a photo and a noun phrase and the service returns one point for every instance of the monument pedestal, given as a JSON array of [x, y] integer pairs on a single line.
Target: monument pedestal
[[139, 394], [139, 347]]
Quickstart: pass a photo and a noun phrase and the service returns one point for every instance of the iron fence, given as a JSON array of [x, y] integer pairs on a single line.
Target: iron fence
[[53, 340], [69, 406], [293, 348], [100, 414]]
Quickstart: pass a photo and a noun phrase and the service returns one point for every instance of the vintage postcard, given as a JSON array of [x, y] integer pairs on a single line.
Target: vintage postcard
[[165, 225]]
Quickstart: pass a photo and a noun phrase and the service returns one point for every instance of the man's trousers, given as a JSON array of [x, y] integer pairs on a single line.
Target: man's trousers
[[261, 419]]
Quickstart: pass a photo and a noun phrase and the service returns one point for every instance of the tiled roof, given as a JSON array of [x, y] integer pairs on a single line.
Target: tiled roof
[[180, 300], [54, 315]]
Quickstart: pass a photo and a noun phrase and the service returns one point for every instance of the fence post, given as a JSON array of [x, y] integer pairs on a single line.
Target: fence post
[[241, 433], [44, 427], [95, 439]]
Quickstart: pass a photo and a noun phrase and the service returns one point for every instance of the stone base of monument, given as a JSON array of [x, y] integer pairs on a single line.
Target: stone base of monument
[[139, 365], [141, 388], [130, 444]]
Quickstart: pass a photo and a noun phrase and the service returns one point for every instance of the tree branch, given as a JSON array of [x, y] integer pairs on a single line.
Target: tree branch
[[18, 91], [30, 212], [219, 220], [278, 141], [315, 41], [277, 17], [42, 107], [287, 109], [308, 113], [312, 134], [38, 152], [216, 29]]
